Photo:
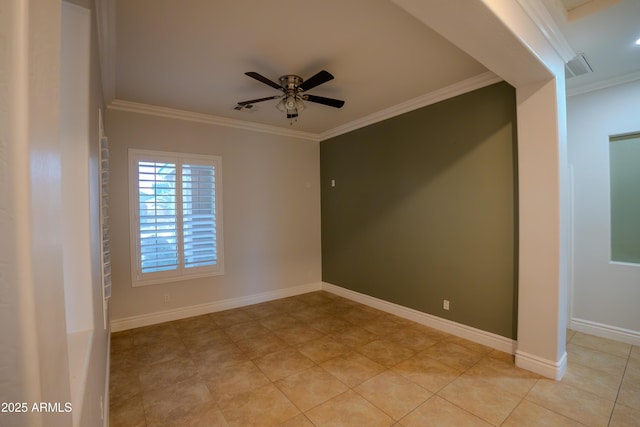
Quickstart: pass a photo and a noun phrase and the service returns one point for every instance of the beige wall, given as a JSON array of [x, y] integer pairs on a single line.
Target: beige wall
[[271, 211]]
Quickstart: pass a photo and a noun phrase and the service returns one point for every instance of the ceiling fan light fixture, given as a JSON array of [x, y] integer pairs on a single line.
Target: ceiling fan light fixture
[[292, 98], [291, 105]]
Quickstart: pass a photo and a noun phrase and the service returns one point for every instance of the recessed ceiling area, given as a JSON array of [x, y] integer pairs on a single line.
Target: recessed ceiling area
[[193, 55], [606, 36]]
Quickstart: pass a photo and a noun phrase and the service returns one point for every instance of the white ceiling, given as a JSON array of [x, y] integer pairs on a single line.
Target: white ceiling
[[192, 54], [605, 31]]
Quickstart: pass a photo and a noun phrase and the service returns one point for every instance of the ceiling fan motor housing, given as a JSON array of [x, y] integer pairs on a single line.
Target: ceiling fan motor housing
[[290, 82]]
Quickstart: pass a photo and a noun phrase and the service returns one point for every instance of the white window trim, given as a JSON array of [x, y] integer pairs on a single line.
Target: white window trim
[[134, 214]]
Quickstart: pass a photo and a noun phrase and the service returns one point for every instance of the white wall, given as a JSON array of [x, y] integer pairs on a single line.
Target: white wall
[[271, 214], [605, 295], [74, 142], [33, 355]]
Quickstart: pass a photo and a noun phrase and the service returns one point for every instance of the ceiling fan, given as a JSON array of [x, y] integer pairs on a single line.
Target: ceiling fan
[[292, 97]]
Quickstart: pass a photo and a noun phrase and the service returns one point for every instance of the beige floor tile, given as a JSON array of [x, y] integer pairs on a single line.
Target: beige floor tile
[[261, 345], [265, 406], [354, 336], [279, 321], [430, 332], [503, 376], [208, 416], [125, 360], [227, 318], [298, 334], [571, 402], [453, 355], [469, 345], [149, 354], [154, 334], [623, 416], [413, 339], [393, 393], [616, 348], [203, 341], [329, 324], [633, 367], [311, 387], [203, 371], [488, 402], [299, 421], [501, 355], [386, 352], [246, 330], [283, 363], [427, 372], [121, 341], [570, 334], [352, 368], [127, 412], [322, 349], [195, 325], [239, 379], [175, 401], [384, 325], [123, 385], [437, 412], [166, 373], [596, 359], [289, 305], [216, 359], [261, 311], [528, 414], [600, 383], [360, 316], [348, 409], [629, 394]]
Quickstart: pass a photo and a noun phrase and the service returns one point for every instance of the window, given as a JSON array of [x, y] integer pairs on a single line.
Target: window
[[624, 158], [175, 216]]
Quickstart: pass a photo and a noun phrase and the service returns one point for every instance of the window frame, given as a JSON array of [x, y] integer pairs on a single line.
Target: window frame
[[180, 273]]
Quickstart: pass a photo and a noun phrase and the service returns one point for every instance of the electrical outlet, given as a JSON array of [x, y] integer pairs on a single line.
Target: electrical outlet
[[167, 298], [445, 304]]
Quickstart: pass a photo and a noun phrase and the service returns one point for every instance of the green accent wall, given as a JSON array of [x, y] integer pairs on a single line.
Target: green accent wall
[[624, 161], [424, 208]]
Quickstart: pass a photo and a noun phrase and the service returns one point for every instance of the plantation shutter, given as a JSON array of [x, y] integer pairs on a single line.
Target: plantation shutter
[[158, 224], [199, 215]]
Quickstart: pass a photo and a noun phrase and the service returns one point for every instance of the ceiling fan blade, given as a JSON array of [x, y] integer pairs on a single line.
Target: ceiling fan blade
[[315, 80], [263, 79], [324, 101], [253, 101]]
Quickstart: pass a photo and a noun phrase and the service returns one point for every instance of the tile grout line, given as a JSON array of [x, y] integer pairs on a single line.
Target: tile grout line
[[615, 402]]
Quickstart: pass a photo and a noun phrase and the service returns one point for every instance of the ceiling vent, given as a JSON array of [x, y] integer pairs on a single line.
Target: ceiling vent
[[577, 66]]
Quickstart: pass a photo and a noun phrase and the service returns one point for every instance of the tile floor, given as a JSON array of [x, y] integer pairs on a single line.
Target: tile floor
[[320, 360]]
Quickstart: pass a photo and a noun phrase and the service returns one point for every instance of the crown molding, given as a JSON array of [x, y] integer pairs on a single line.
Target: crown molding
[[106, 21], [603, 84], [468, 85], [154, 110], [543, 19]]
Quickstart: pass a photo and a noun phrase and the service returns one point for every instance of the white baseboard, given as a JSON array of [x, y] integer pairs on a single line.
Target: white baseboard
[[212, 307], [544, 367], [605, 331], [467, 332]]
